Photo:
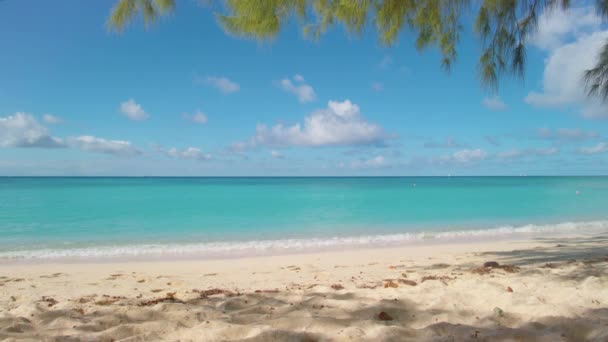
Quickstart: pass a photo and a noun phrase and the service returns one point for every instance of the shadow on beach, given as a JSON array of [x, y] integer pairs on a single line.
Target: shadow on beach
[[255, 317], [318, 313], [556, 250]]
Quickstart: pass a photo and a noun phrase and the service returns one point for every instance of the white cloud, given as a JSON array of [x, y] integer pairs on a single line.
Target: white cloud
[[192, 153], [545, 151], [594, 109], [51, 119], [198, 117], [573, 42], [562, 80], [241, 146], [385, 62], [448, 143], [566, 134], [277, 154], [599, 148], [133, 111], [376, 162], [93, 144], [516, 153], [494, 103], [23, 130], [492, 140], [223, 84], [340, 124], [556, 26], [377, 86], [509, 154], [466, 156], [303, 91]]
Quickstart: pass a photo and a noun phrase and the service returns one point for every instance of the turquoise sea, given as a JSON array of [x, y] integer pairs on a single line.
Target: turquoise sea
[[45, 218]]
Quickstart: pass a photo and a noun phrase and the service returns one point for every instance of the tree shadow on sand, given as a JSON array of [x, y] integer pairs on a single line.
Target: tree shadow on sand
[[328, 315], [275, 317], [555, 250]]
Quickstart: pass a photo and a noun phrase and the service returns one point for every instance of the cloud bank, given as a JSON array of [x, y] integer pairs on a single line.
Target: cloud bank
[[573, 40], [340, 124], [23, 130]]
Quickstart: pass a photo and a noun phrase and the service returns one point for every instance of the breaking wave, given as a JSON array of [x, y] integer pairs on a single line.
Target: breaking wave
[[287, 246]]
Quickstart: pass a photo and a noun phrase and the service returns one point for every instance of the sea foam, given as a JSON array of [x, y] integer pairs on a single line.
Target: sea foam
[[286, 246]]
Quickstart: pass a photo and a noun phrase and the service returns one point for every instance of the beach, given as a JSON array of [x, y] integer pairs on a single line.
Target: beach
[[299, 171], [537, 289]]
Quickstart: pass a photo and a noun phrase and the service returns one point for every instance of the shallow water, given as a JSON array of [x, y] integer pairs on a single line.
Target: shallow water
[[58, 217]]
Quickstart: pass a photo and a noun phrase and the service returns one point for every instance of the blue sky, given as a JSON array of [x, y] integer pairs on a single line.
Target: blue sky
[[184, 98]]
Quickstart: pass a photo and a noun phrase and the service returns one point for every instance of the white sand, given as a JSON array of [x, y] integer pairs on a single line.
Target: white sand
[[566, 300]]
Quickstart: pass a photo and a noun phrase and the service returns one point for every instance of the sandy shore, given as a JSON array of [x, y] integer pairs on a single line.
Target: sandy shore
[[553, 289]]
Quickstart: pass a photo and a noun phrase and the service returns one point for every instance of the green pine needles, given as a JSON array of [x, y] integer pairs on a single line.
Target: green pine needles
[[503, 26]]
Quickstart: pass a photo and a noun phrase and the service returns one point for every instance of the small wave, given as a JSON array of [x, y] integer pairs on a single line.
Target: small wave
[[283, 246]]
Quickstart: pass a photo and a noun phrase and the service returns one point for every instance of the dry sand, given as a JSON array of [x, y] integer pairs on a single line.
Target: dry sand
[[553, 289]]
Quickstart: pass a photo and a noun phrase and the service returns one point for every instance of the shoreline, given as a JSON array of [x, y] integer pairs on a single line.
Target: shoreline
[[297, 246], [418, 250]]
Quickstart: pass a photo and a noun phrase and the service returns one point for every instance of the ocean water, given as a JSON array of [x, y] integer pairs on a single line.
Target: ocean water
[[46, 218]]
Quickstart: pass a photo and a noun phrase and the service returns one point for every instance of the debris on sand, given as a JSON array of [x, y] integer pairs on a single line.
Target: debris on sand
[[368, 286], [105, 302], [509, 268], [400, 281], [108, 300], [49, 301], [442, 279], [481, 270], [390, 283], [509, 289], [84, 300], [337, 287], [383, 316], [268, 291], [169, 298], [491, 264], [203, 294], [408, 282]]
